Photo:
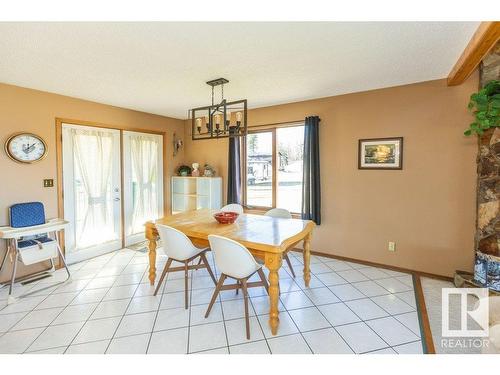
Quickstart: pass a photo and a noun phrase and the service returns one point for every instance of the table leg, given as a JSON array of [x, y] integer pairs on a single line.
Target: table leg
[[307, 259], [152, 253], [273, 264]]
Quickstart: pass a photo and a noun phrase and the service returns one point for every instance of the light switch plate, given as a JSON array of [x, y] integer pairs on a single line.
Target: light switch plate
[[48, 182]]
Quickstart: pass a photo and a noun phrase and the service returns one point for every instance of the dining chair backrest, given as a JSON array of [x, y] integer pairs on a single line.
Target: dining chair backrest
[[233, 207], [176, 244], [279, 212], [232, 258]]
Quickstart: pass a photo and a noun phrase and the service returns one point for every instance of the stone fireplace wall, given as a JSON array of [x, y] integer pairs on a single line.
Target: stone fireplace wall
[[488, 171]]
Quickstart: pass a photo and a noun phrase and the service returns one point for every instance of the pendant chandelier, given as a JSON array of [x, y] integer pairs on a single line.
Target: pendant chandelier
[[225, 119]]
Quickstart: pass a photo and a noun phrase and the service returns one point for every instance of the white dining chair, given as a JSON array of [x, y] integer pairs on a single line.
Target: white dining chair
[[233, 207], [177, 246], [235, 261], [283, 214]]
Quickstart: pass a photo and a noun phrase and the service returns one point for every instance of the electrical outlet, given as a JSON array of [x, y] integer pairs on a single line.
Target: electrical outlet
[[392, 246]]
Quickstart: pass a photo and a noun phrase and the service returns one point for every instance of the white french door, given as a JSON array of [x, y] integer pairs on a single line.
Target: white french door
[[142, 182], [96, 194], [92, 191]]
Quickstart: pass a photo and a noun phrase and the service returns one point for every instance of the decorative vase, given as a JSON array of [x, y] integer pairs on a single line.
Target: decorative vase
[[184, 170], [196, 171], [209, 171]]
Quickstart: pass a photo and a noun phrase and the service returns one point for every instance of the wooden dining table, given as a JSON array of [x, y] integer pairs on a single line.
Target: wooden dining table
[[266, 237]]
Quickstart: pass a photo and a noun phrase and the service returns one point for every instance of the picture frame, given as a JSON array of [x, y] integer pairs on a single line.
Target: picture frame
[[380, 153]]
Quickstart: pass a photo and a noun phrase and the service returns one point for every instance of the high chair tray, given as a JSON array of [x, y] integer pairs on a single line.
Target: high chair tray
[[50, 226]]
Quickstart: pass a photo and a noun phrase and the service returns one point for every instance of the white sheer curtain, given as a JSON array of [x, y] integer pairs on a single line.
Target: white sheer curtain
[[93, 152], [144, 156]]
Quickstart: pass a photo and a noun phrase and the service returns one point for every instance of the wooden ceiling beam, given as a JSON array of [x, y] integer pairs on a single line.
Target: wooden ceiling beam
[[483, 40]]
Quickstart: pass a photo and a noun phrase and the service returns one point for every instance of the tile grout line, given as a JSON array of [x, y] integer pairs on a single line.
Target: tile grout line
[[124, 313], [361, 320], [157, 311], [64, 307], [222, 312], [367, 320], [298, 329], [223, 319], [323, 317], [26, 312], [243, 343], [189, 319], [260, 326], [98, 303]]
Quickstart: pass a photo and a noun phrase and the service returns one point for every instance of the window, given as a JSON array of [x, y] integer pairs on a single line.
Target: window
[[260, 169], [274, 168]]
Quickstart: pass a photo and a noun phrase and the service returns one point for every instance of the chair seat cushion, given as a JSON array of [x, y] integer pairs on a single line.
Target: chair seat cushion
[[26, 214]]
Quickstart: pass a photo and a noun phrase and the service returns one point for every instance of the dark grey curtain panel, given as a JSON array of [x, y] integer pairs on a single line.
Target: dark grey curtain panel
[[234, 170], [311, 184]]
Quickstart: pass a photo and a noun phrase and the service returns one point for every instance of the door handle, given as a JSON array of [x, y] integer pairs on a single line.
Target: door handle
[[116, 199]]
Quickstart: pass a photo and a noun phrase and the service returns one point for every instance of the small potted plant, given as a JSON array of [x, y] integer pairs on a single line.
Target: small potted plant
[[184, 170]]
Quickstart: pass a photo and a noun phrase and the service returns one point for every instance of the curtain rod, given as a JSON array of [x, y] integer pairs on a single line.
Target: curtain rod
[[293, 122]]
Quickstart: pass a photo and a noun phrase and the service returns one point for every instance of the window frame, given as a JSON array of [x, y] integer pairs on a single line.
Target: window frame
[[265, 129]]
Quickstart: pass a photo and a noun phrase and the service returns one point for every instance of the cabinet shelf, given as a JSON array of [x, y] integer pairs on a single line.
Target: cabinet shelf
[[192, 193]]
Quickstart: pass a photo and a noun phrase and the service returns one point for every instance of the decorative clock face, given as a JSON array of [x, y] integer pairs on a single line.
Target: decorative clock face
[[26, 148]]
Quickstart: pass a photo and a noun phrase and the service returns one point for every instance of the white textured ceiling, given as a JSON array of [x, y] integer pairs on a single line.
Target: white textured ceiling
[[162, 67]]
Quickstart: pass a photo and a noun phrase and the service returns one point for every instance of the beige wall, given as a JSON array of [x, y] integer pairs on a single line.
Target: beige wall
[[35, 111], [428, 208]]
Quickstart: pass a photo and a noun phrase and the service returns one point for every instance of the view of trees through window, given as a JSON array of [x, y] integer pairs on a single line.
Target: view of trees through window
[[260, 169], [287, 161]]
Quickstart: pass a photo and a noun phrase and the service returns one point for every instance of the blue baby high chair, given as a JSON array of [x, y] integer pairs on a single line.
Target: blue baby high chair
[[31, 239]]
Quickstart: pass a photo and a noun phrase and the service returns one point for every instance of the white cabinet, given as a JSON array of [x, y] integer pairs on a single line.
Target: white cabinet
[[193, 193]]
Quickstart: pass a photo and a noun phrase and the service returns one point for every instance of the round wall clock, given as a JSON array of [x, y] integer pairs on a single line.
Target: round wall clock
[[26, 148]]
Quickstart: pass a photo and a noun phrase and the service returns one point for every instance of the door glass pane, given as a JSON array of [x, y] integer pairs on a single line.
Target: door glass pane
[[93, 178], [290, 149], [260, 169], [145, 192]]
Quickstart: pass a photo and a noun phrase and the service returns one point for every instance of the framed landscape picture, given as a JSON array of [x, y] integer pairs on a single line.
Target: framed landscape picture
[[380, 153]]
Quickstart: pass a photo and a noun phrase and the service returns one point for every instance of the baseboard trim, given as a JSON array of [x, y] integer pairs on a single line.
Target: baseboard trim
[[380, 265]]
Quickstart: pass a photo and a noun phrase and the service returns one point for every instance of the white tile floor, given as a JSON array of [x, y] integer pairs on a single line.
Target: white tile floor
[[108, 307]]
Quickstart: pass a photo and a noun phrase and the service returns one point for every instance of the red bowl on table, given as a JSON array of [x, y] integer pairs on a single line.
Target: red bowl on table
[[224, 217]]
